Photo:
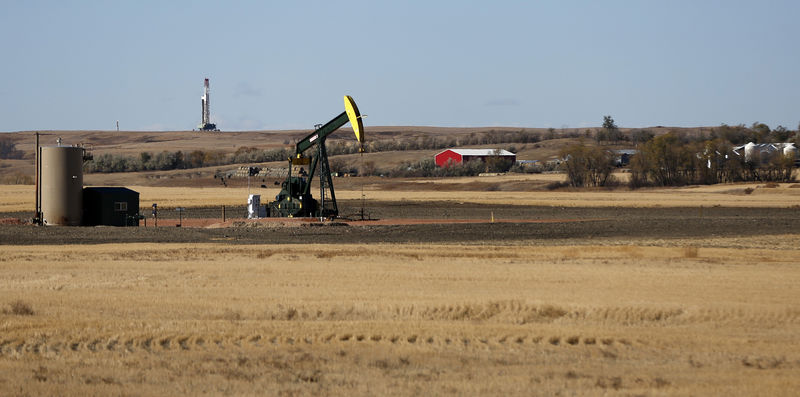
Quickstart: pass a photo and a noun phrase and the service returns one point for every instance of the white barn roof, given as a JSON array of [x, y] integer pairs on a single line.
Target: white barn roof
[[769, 147], [480, 152]]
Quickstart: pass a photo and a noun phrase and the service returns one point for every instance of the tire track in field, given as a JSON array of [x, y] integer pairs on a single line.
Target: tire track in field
[[602, 346], [517, 312], [171, 343]]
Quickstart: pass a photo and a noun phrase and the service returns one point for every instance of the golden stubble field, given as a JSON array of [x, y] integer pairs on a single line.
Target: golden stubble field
[[21, 197], [676, 318]]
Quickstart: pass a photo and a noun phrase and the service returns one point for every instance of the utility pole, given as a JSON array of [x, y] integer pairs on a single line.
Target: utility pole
[[37, 213]]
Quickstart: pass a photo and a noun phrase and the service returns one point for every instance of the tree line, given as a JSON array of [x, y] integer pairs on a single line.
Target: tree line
[[665, 161], [8, 150], [428, 142], [425, 168], [166, 160], [669, 160], [736, 134]]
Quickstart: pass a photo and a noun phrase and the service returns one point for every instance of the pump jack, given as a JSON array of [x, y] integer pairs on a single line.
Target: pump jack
[[295, 199]]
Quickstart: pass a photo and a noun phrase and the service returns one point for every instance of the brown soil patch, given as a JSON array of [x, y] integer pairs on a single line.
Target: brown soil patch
[[409, 221], [217, 223]]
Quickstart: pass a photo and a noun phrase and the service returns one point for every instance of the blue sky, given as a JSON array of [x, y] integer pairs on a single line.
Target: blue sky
[[286, 65]]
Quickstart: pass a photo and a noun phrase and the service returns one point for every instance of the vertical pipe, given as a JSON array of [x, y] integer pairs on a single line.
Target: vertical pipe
[[320, 154], [223, 213], [36, 159], [289, 182], [39, 164]]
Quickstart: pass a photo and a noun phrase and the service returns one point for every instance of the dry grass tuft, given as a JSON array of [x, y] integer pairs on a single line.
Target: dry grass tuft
[[229, 315], [264, 254], [614, 382], [19, 308], [764, 362]]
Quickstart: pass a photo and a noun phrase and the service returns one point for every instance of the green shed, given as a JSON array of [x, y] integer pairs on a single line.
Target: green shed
[[110, 206]]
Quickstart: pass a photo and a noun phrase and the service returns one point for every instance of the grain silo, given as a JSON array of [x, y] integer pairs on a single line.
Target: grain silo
[[61, 184], [789, 150], [749, 151]]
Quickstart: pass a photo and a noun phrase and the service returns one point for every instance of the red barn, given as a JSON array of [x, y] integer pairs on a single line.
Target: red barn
[[459, 156]]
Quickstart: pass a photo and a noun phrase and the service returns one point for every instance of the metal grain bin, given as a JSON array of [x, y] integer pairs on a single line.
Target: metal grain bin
[[62, 185]]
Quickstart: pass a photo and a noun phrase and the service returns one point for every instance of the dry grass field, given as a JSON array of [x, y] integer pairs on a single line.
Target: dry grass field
[[469, 189], [685, 318]]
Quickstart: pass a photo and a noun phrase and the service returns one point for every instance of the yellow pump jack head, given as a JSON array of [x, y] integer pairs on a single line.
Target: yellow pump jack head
[[355, 120]]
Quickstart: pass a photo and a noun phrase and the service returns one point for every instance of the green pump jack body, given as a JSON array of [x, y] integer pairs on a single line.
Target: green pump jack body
[[295, 198]]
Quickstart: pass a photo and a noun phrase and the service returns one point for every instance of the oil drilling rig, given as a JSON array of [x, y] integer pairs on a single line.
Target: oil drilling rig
[[205, 102], [295, 199]]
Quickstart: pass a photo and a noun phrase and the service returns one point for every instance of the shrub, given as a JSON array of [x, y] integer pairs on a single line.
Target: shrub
[[556, 185], [19, 308], [588, 166], [8, 150]]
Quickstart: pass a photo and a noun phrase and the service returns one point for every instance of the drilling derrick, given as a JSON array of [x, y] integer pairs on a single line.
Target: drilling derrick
[[205, 123]]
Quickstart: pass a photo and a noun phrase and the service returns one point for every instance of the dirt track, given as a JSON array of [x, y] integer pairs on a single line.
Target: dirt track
[[514, 224]]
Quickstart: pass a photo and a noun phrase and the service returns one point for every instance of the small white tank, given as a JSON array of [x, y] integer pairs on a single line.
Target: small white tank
[[789, 150], [253, 204], [749, 151]]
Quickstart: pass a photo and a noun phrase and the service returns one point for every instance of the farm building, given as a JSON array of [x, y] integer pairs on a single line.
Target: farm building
[[761, 152], [458, 156], [110, 206], [622, 157]]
